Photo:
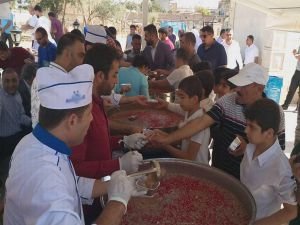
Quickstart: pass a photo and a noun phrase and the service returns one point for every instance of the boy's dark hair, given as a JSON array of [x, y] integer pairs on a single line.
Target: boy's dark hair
[[200, 66], [139, 61], [182, 54], [207, 29], [51, 14], [190, 37], [3, 46], [222, 31], [37, 8], [67, 40], [136, 36], [192, 86], [223, 73], [163, 30], [132, 26], [51, 118], [101, 58], [171, 28], [207, 79], [266, 113], [251, 37], [151, 28], [42, 31]]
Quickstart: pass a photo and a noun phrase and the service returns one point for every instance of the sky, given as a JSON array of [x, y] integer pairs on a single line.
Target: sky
[[193, 3]]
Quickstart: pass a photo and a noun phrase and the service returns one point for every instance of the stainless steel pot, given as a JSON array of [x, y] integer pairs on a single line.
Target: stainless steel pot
[[230, 183]]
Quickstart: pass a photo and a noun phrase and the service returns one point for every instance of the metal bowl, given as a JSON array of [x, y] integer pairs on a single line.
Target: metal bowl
[[201, 171], [129, 114]]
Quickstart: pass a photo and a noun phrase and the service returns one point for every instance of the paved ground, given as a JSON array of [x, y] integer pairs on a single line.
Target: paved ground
[[290, 125]]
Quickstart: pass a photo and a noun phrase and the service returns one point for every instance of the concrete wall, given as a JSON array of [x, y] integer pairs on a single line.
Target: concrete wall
[[275, 36], [248, 21]]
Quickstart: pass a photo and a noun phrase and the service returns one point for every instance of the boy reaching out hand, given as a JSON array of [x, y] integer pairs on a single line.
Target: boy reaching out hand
[[190, 93]]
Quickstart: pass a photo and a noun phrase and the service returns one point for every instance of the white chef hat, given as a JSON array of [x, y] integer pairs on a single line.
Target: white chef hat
[[60, 90], [96, 34]]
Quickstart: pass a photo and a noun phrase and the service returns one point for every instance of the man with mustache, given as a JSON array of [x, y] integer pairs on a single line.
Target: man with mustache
[[228, 113]]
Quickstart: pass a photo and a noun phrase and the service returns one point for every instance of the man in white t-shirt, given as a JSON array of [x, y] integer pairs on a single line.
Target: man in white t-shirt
[[31, 24], [233, 51], [173, 79], [36, 21], [251, 51]]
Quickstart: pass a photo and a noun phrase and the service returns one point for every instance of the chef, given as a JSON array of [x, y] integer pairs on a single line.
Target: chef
[[42, 187]]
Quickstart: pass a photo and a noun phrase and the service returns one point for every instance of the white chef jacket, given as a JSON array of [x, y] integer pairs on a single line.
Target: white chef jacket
[[234, 56], [269, 179], [251, 52], [42, 187]]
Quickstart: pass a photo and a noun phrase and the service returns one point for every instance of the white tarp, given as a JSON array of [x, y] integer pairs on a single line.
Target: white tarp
[[4, 9]]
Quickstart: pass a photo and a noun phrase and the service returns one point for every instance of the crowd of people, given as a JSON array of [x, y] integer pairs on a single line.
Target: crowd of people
[[55, 135]]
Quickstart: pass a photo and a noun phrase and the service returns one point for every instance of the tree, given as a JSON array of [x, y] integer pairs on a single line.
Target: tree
[[202, 10], [103, 10], [154, 6]]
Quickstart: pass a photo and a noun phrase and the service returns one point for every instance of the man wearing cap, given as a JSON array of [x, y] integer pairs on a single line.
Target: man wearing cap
[[42, 187], [69, 54], [228, 112], [93, 158]]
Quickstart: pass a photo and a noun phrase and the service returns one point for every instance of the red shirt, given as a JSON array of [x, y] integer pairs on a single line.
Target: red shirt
[[16, 59], [93, 158]]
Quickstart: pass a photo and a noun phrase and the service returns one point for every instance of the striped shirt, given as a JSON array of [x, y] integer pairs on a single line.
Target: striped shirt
[[231, 121], [12, 114]]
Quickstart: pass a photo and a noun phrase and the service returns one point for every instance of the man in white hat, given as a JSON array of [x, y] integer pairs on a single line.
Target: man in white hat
[[42, 187], [95, 34], [228, 113], [69, 54]]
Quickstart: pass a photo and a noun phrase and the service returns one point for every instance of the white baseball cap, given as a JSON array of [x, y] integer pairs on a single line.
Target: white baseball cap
[[251, 73], [96, 34], [61, 90]]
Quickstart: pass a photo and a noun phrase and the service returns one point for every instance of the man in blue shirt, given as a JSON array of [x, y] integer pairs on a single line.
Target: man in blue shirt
[[47, 50], [210, 50], [6, 27]]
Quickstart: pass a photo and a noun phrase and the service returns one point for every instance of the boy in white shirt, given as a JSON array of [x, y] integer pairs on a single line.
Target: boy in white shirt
[[265, 169], [190, 93], [173, 79]]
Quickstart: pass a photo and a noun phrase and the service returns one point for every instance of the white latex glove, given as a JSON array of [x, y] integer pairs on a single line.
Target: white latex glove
[[121, 188], [135, 141], [130, 161]]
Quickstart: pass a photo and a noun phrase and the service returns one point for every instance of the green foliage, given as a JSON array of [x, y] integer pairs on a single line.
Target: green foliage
[[103, 10], [55, 6], [154, 6], [202, 10]]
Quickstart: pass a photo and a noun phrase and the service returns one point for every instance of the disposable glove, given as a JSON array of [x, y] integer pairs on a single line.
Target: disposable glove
[[135, 141], [130, 161], [121, 188]]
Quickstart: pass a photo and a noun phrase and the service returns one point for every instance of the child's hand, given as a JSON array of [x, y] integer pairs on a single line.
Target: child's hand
[[157, 138], [161, 104], [241, 149]]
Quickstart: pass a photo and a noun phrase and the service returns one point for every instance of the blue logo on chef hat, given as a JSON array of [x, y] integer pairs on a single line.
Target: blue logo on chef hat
[[76, 97]]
